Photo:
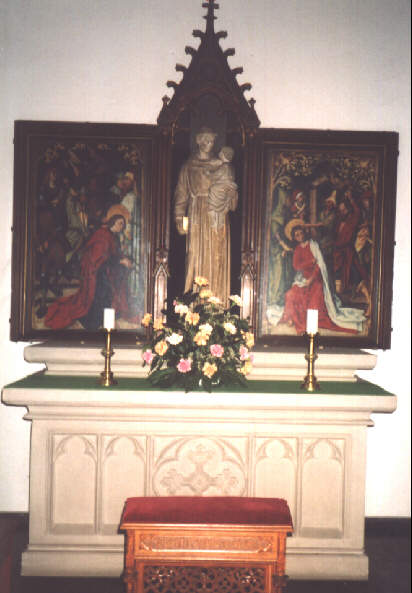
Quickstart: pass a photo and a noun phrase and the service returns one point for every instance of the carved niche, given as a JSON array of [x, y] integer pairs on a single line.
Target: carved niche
[[208, 95]]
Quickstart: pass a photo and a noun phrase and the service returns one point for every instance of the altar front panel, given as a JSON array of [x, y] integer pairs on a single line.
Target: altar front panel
[[93, 448]]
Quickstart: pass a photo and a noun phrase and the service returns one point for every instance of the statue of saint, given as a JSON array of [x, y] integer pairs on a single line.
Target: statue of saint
[[205, 193]]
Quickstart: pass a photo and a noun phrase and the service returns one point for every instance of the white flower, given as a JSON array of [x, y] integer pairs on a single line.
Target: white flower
[[206, 328], [174, 339], [236, 299], [230, 328], [181, 309], [214, 300]]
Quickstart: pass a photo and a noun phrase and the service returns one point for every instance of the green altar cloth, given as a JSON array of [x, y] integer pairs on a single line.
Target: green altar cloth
[[88, 382]]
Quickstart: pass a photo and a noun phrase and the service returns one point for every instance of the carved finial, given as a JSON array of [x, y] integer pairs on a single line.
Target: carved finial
[[198, 33], [180, 68], [229, 52], [238, 70], [165, 100], [172, 84], [221, 34], [252, 103], [245, 87], [210, 17], [190, 50]]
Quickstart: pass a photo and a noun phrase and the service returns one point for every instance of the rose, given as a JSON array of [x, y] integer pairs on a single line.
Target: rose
[[216, 350], [206, 328], [201, 338], [205, 293], [236, 299], [246, 368], [158, 324], [161, 348], [214, 300], [244, 353], [181, 309], [147, 317], [201, 281], [185, 365], [148, 356], [174, 339], [209, 369], [230, 327], [192, 318], [249, 339]]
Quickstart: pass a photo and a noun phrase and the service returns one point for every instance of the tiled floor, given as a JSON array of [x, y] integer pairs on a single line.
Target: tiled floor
[[387, 545]]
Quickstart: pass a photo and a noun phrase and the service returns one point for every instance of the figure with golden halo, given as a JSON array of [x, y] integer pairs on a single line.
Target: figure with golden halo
[[103, 281], [311, 288]]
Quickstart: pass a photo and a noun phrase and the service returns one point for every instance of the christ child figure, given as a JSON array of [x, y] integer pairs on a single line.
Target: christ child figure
[[223, 193]]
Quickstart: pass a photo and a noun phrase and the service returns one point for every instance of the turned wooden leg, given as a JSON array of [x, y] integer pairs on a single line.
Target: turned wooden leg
[[268, 578]]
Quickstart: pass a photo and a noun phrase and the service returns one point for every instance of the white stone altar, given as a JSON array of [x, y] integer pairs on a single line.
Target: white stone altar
[[92, 447]]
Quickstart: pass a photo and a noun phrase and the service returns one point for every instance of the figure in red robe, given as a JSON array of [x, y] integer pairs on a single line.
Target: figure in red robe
[[310, 290], [348, 268], [103, 282]]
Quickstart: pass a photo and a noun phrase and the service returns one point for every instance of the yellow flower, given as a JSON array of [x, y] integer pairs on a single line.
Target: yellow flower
[[209, 369], [205, 293], [161, 348], [201, 338], [249, 339], [246, 368], [201, 281], [146, 319], [158, 324], [192, 318]]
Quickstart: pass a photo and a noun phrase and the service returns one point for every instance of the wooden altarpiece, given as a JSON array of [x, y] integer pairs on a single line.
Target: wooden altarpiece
[[331, 183]]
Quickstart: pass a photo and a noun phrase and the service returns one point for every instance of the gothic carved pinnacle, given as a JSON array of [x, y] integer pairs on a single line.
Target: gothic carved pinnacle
[[246, 86], [229, 52], [180, 68], [238, 70]]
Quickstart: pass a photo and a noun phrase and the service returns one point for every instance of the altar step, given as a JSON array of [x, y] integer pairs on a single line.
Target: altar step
[[387, 545]]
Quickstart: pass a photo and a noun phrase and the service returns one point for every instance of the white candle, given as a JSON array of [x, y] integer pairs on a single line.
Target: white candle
[[185, 223], [108, 318], [312, 321]]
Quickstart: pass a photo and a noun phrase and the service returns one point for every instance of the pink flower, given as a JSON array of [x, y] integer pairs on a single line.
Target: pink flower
[[148, 356], [244, 353], [216, 350], [185, 365]]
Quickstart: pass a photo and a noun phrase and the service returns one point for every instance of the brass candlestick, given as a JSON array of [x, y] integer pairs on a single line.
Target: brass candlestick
[[310, 382], [107, 352]]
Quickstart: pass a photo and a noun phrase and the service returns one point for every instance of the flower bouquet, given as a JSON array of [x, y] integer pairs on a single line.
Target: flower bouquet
[[206, 344]]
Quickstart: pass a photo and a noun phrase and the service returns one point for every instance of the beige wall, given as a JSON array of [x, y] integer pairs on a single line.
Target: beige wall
[[312, 63]]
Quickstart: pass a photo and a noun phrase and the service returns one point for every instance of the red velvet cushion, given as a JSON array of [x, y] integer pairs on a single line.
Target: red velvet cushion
[[217, 510]]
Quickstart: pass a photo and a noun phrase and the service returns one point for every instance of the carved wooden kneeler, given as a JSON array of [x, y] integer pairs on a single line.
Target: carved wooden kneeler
[[220, 544]]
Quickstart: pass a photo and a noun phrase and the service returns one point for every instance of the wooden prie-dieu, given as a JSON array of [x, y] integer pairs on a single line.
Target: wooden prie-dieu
[[218, 544]]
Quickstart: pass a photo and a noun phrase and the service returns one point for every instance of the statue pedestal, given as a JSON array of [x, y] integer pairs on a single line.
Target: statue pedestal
[[92, 447], [283, 364]]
